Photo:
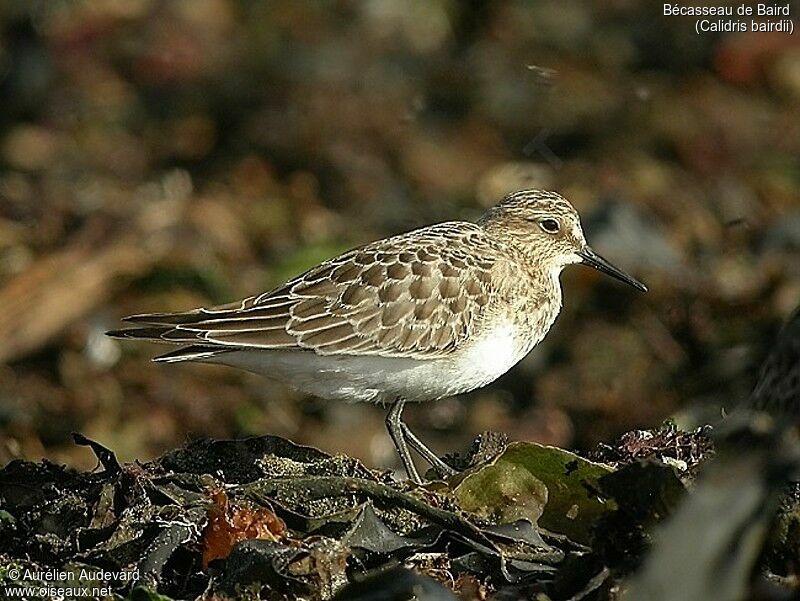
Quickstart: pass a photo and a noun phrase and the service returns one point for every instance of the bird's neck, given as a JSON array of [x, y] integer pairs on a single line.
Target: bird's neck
[[536, 301]]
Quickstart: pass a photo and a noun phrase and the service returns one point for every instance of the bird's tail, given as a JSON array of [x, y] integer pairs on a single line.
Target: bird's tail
[[161, 328]]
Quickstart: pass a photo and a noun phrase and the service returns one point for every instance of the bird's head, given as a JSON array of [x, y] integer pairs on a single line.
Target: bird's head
[[547, 228]]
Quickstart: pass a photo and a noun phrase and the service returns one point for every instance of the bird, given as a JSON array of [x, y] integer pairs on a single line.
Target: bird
[[416, 317]]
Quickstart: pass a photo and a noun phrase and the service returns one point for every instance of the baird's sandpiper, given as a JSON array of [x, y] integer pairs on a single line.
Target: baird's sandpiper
[[420, 316]]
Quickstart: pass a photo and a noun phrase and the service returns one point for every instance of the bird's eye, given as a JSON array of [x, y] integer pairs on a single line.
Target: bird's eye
[[551, 226]]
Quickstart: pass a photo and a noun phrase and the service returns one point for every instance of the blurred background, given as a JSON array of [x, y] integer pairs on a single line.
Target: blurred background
[[159, 156]]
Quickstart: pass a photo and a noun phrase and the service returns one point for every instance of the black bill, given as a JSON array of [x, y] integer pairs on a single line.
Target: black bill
[[600, 264]]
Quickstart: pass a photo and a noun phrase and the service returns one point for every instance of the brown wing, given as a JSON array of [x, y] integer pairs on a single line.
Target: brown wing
[[414, 294]]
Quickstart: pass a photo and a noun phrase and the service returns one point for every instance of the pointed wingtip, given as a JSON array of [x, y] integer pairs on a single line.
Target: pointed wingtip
[[146, 317], [164, 319], [154, 333], [189, 353]]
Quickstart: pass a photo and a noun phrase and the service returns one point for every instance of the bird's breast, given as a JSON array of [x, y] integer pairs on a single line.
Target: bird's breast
[[491, 355]]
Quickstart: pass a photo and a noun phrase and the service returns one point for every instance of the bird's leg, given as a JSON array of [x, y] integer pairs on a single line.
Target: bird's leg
[[395, 427], [428, 455]]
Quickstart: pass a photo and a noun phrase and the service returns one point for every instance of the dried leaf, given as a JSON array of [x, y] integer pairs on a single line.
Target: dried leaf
[[228, 524]]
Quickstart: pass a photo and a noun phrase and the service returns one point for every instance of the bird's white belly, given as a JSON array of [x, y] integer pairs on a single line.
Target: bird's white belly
[[384, 379]]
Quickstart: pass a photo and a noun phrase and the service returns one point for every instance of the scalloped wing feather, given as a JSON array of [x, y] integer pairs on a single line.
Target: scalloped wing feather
[[417, 294]]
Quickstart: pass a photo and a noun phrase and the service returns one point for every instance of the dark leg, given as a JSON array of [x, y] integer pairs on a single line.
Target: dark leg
[[395, 427], [428, 455]]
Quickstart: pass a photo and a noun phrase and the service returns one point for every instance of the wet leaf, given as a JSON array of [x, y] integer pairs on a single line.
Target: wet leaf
[[503, 493], [162, 548], [396, 583], [371, 534], [546, 485], [262, 561], [519, 531]]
